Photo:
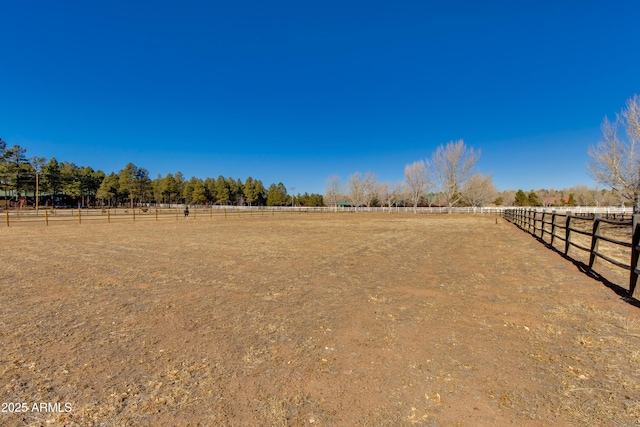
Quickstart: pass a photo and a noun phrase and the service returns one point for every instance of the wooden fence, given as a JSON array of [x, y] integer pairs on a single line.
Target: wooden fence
[[586, 232], [96, 215]]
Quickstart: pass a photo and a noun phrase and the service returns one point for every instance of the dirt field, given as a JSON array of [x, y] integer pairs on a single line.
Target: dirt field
[[312, 319]]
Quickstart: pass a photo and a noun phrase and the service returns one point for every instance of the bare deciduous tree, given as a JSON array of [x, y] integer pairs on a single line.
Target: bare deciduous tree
[[453, 164], [416, 177], [333, 191], [583, 195], [384, 192], [479, 190], [370, 184], [356, 189], [615, 160], [389, 193]]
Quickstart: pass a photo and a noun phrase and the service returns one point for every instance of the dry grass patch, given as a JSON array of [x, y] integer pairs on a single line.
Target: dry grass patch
[[331, 320]]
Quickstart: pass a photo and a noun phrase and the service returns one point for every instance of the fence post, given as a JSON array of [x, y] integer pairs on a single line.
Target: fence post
[[567, 241], [553, 226], [594, 239], [109, 216], [521, 218], [46, 217], [134, 214], [635, 253], [79, 215], [7, 217], [156, 214]]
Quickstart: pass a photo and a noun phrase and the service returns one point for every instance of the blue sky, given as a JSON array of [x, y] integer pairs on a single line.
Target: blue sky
[[296, 91]]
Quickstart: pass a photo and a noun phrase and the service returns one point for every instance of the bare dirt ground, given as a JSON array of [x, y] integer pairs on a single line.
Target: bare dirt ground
[[311, 319]]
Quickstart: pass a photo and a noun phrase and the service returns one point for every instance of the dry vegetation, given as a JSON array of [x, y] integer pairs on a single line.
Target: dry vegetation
[[312, 319]]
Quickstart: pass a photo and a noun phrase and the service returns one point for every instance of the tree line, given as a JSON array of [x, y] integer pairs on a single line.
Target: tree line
[[133, 185], [579, 195], [64, 183], [448, 178]]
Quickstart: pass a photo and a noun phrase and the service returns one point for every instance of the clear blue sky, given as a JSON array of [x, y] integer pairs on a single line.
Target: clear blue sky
[[295, 91]]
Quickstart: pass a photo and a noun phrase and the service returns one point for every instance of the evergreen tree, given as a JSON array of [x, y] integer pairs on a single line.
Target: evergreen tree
[[179, 186], [71, 185], [521, 199], [239, 193], [157, 189], [194, 192], [109, 189], [52, 178], [260, 192], [127, 180], [198, 195], [210, 187], [253, 191], [17, 170], [223, 192], [313, 200], [533, 199], [143, 184], [90, 181], [235, 191], [168, 188], [276, 195], [248, 191]]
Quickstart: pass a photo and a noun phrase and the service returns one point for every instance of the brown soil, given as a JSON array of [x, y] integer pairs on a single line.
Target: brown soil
[[311, 319]]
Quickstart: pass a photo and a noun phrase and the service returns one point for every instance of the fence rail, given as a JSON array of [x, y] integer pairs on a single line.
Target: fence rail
[[45, 216], [585, 231], [158, 212]]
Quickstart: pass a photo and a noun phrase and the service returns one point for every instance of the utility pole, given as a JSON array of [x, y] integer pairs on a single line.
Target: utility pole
[[36, 192]]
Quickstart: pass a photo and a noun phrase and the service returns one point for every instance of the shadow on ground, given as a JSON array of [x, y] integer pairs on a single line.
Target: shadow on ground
[[584, 268]]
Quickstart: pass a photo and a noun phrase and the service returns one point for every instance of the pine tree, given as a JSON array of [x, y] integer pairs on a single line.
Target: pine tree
[[521, 199], [533, 199]]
